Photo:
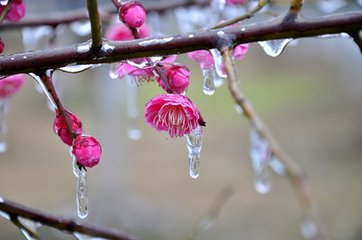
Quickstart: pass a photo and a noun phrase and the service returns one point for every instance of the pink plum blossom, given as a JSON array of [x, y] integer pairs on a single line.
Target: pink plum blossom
[[133, 14], [172, 113], [2, 45], [86, 150], [60, 127], [10, 85], [236, 2], [16, 12], [120, 32], [174, 78], [240, 51], [203, 57]]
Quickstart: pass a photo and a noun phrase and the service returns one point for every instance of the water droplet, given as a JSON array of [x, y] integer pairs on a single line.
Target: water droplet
[[208, 86], [260, 155], [133, 131], [107, 48], [194, 144], [155, 41], [274, 47], [85, 47], [218, 63], [113, 74], [36, 37], [76, 68], [277, 166], [81, 28], [45, 91], [4, 103], [308, 228], [82, 194]]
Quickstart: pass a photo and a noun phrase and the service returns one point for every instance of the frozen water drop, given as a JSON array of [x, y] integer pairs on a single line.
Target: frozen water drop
[[81, 28], [133, 132], [194, 144], [274, 48], [155, 41], [82, 194], [262, 180], [208, 86], [218, 63], [238, 109], [336, 35], [4, 103], [76, 68], [75, 166], [277, 166], [113, 74], [308, 228], [45, 91], [85, 47], [4, 215]]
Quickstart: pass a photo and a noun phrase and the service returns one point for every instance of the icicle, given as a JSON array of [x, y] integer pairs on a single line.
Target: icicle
[[208, 86], [133, 131], [260, 155], [277, 166], [3, 124], [218, 63], [82, 194], [113, 71], [81, 28], [75, 166], [47, 94], [194, 144], [76, 68], [274, 47], [308, 227]]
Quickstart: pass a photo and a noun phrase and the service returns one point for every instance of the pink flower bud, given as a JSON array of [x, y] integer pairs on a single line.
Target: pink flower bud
[[2, 45], [87, 150], [173, 113], [60, 128], [133, 14], [173, 78], [120, 32], [203, 57], [10, 85], [236, 2], [16, 12], [240, 51]]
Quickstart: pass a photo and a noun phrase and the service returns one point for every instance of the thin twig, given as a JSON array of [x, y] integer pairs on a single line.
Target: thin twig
[[5, 11], [249, 14], [64, 224], [294, 173], [95, 21], [15, 220]]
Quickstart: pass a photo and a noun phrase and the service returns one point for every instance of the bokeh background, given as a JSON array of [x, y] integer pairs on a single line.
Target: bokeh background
[[310, 97]]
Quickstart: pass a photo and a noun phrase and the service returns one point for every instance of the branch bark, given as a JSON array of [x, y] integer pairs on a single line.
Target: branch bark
[[280, 28]]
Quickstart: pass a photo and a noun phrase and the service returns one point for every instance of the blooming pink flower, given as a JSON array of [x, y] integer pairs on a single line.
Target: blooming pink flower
[[133, 14], [236, 2], [240, 51], [87, 150], [120, 32], [16, 12], [203, 57], [174, 78], [173, 113], [10, 85], [60, 128]]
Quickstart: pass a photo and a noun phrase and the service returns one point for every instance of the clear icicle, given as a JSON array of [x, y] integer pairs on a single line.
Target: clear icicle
[[76, 68], [113, 71], [30, 225], [308, 227], [133, 131], [194, 144], [82, 194], [75, 166], [208, 85], [218, 63], [274, 48], [260, 154], [47, 94], [4, 103]]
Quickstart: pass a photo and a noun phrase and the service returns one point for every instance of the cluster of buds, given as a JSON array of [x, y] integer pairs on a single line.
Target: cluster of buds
[[132, 14], [86, 149]]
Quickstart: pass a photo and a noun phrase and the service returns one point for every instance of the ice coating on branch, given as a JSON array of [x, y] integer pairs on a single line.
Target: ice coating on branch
[[172, 113], [44, 89], [86, 150], [155, 41], [76, 68], [174, 78], [274, 48], [60, 127], [133, 14], [16, 12]]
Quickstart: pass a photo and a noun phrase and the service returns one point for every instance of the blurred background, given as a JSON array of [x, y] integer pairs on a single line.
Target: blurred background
[[309, 96]]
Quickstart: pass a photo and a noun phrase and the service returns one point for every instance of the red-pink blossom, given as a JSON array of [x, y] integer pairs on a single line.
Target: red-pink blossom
[[133, 14], [120, 32], [240, 51], [236, 2], [16, 12], [173, 113], [60, 127], [2, 45], [203, 57], [174, 78], [10, 85], [86, 150]]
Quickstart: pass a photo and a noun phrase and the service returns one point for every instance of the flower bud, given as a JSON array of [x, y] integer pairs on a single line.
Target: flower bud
[[10, 85], [133, 14], [2, 45], [16, 12], [174, 78], [87, 150], [240, 51], [60, 127]]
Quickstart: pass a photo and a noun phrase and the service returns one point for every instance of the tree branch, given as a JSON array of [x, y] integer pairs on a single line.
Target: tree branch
[[177, 44], [63, 224], [95, 21], [295, 175]]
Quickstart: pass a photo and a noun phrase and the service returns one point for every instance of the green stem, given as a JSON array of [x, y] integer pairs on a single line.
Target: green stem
[[95, 21]]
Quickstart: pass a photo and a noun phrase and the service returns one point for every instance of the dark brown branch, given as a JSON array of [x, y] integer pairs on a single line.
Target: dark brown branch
[[95, 22], [67, 17], [176, 44], [63, 224]]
